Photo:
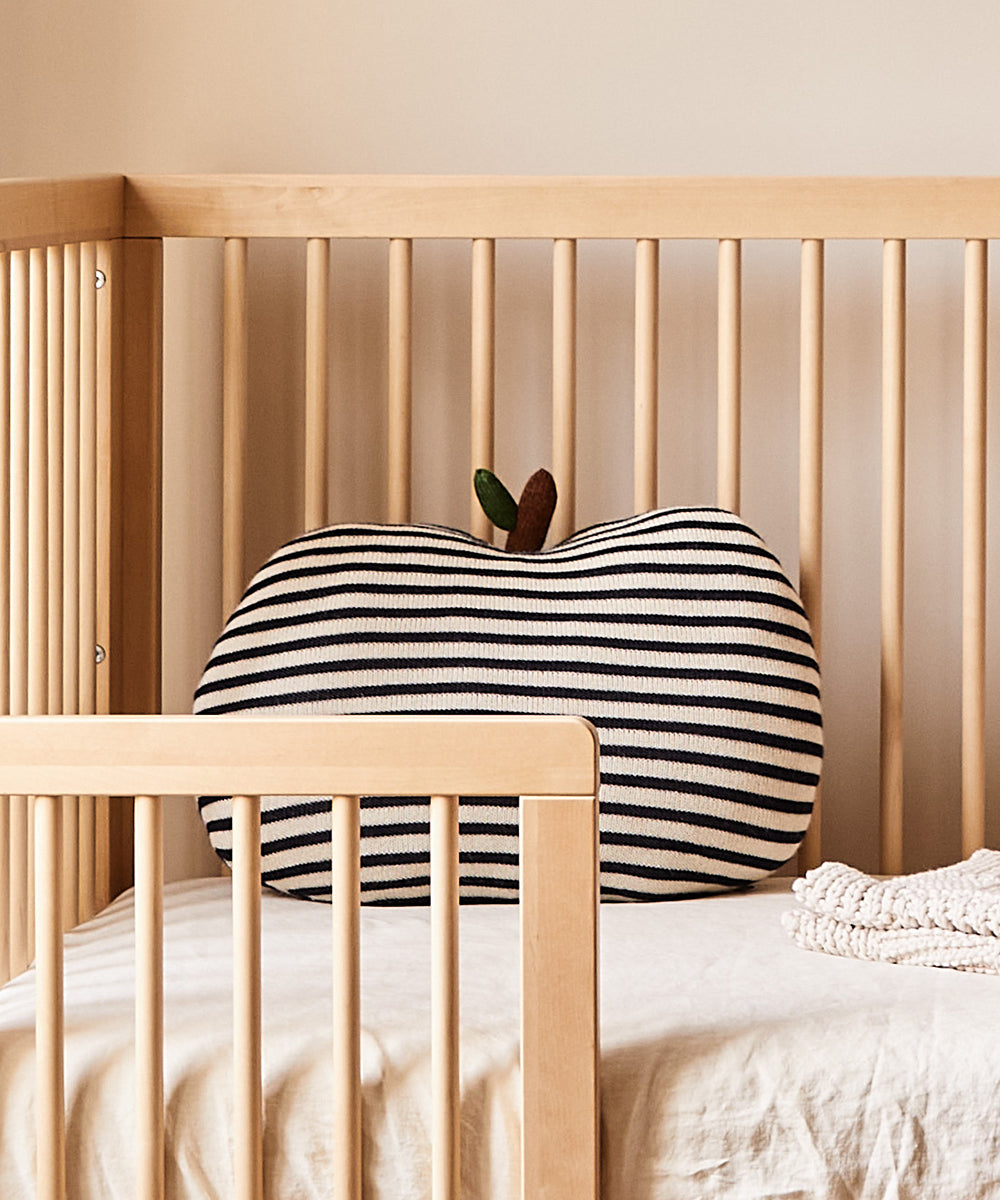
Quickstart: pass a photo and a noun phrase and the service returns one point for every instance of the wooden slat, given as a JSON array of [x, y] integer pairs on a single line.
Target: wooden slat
[[317, 382], [399, 459], [70, 605], [647, 358], [893, 478], [346, 897], [126, 755], [87, 641], [730, 355], [559, 958], [88, 478], [38, 488], [445, 1077], [49, 1113], [52, 212], [234, 421], [974, 551], [5, 364], [149, 997], [71, 483], [248, 1112], [18, 634], [483, 372], [54, 477], [811, 478], [564, 387], [571, 207]]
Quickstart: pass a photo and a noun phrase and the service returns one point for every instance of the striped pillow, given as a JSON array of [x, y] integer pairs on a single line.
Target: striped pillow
[[676, 633]]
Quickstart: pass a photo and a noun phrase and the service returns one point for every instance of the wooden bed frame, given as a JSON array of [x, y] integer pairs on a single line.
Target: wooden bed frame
[[81, 371]]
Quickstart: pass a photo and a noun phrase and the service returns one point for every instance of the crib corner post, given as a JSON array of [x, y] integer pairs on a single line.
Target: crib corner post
[[560, 1051], [135, 298]]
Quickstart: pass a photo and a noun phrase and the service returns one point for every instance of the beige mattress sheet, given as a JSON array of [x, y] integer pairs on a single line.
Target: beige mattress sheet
[[735, 1065]]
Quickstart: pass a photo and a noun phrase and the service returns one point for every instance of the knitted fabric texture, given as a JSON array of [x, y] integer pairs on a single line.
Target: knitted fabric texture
[[947, 917], [675, 632]]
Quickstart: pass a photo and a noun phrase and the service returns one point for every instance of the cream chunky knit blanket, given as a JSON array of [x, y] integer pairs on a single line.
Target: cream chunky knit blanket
[[948, 917]]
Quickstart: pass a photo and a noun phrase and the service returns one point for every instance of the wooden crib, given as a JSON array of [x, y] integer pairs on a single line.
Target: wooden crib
[[81, 510]]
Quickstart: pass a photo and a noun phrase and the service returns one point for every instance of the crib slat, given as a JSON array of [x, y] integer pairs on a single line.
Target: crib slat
[[54, 473], [88, 477], [5, 847], [18, 639], [483, 370], [559, 957], [445, 1154], [50, 1118], [564, 386], [400, 378], [317, 381], [647, 331], [811, 477], [247, 1101], [70, 600], [730, 355], [148, 816], [87, 698], [234, 419], [71, 482], [38, 489], [974, 551], [893, 414], [345, 897]]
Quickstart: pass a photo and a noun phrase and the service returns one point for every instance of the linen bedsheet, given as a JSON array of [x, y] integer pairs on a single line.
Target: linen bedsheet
[[735, 1065]]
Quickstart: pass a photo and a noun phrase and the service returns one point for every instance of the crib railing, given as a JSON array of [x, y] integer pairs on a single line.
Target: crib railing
[[550, 762], [566, 212], [79, 499], [53, 233]]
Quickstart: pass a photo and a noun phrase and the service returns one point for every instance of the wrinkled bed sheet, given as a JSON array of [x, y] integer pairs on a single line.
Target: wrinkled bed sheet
[[735, 1065]]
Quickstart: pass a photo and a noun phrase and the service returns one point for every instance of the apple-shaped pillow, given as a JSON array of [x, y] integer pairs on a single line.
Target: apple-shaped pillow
[[675, 632]]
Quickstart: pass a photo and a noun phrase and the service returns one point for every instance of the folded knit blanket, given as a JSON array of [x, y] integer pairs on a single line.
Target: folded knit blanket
[[947, 917]]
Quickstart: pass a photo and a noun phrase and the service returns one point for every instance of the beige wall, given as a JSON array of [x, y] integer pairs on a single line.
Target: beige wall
[[896, 86]]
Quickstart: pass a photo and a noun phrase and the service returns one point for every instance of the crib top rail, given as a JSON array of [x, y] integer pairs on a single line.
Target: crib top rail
[[564, 207], [44, 212], [177, 755], [54, 212]]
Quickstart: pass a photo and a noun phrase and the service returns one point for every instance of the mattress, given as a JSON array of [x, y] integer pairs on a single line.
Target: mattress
[[735, 1065]]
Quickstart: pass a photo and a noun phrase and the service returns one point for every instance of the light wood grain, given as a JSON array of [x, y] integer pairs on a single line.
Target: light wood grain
[[893, 489], [235, 388], [248, 1105], [564, 387], [384, 206], [176, 755], [645, 487], [315, 433], [482, 433], [399, 458], [811, 341], [5, 593], [345, 896], [52, 212], [974, 549], [560, 1149], [446, 1109], [149, 997], [730, 374], [50, 1120]]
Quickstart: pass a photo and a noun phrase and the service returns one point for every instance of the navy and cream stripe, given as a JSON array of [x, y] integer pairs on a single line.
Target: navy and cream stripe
[[675, 632]]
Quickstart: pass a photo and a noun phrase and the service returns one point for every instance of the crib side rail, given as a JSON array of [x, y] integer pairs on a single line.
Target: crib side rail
[[551, 762], [399, 206], [79, 507], [58, 212]]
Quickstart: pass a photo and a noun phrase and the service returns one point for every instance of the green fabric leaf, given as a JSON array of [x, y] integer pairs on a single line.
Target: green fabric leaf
[[498, 504]]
